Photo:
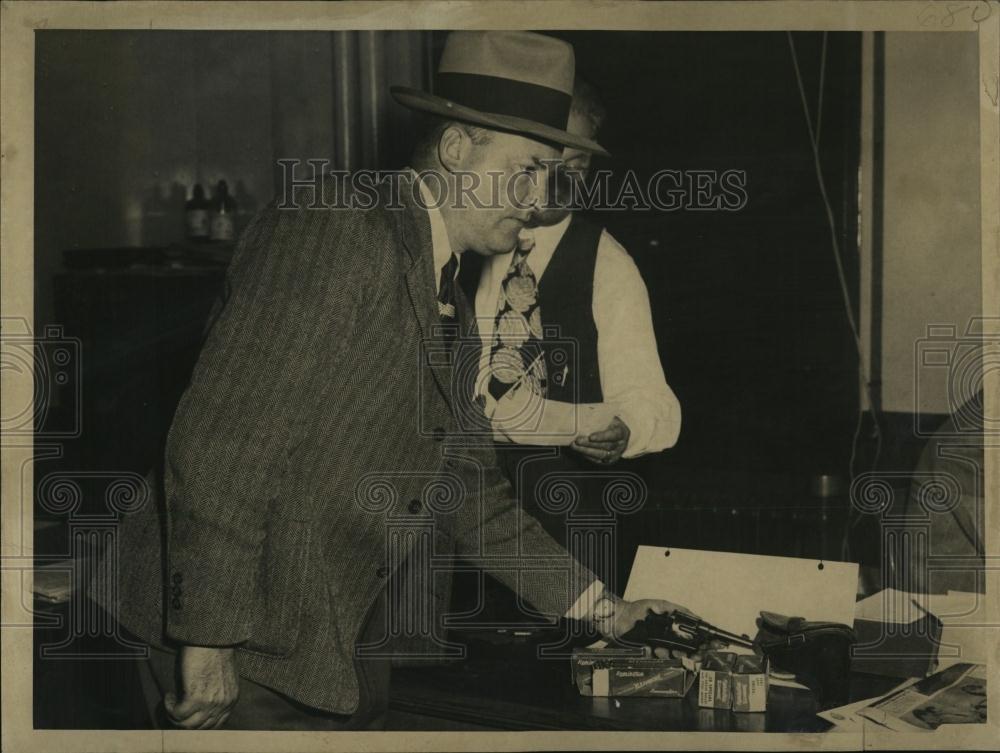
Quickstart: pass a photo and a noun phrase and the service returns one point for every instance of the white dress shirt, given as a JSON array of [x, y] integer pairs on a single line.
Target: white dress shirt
[[632, 380], [440, 242]]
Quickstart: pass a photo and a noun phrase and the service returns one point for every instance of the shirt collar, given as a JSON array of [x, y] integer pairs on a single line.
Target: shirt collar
[[548, 236], [439, 232]]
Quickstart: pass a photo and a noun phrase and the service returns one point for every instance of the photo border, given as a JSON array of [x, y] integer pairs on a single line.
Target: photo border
[[21, 19]]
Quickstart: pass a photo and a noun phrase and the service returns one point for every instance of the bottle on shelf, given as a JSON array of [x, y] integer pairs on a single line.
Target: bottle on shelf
[[196, 215], [223, 227]]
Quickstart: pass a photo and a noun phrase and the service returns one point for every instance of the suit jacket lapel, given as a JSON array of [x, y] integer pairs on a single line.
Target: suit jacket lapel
[[466, 355], [467, 326], [420, 285]]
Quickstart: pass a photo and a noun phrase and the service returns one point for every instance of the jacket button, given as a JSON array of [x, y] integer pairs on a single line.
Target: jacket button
[[176, 603], [437, 434], [177, 578], [414, 506], [382, 572]]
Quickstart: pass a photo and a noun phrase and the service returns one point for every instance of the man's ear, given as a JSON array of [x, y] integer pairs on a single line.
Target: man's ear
[[453, 147]]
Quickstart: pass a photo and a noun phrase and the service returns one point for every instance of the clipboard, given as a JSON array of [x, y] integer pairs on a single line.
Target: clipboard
[[730, 590]]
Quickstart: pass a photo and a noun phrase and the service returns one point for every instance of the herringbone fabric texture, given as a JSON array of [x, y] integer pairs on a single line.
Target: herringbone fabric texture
[[315, 426]]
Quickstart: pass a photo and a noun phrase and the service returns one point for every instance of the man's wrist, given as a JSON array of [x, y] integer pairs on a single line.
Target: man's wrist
[[603, 607], [604, 610]]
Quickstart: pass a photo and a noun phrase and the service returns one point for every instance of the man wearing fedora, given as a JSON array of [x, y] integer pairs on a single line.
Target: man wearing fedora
[[317, 424]]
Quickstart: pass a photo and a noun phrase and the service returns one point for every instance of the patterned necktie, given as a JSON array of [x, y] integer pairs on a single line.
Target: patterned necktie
[[446, 299], [516, 348]]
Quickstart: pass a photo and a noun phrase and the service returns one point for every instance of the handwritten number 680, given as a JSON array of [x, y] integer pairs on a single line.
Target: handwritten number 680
[[978, 12]]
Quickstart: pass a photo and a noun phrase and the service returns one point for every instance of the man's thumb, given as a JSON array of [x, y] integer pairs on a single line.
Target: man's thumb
[[178, 711]]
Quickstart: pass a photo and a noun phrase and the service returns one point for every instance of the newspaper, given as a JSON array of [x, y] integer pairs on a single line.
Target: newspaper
[[846, 718], [956, 695]]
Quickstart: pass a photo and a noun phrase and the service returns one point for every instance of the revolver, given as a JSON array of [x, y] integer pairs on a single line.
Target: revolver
[[679, 631]]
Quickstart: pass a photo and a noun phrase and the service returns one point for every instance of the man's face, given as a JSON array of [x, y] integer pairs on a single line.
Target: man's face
[[567, 180], [575, 161], [508, 178]]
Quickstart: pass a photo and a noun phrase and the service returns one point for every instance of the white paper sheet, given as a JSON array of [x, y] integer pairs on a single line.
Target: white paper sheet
[[892, 607], [730, 590]]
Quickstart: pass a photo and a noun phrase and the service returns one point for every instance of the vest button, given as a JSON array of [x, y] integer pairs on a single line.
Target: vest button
[[176, 603], [437, 434], [414, 506]]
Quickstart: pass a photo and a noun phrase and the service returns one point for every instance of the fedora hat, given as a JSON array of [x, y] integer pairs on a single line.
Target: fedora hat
[[513, 81]]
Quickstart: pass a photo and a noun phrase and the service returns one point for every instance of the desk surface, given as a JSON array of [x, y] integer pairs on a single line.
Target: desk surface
[[513, 690], [503, 688]]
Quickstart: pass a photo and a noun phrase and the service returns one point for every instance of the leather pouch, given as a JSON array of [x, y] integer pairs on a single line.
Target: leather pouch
[[817, 653]]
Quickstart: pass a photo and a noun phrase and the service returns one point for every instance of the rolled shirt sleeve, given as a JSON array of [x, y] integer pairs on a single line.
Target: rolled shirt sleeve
[[632, 378]]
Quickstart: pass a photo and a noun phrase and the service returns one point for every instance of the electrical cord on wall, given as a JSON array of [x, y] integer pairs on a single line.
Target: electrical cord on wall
[[864, 378]]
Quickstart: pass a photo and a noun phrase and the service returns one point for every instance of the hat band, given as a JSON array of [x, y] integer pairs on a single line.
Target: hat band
[[504, 96]]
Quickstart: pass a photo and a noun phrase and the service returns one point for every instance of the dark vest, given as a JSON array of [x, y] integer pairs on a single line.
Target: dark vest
[[566, 293], [566, 297]]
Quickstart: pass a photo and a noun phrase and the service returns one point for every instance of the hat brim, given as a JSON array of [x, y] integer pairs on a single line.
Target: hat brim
[[420, 100]]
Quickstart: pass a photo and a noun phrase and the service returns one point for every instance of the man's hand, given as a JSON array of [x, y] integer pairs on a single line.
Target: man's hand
[[604, 447], [628, 613], [209, 688]]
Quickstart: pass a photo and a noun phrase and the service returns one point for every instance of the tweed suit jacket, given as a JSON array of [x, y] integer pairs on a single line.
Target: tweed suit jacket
[[318, 424]]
